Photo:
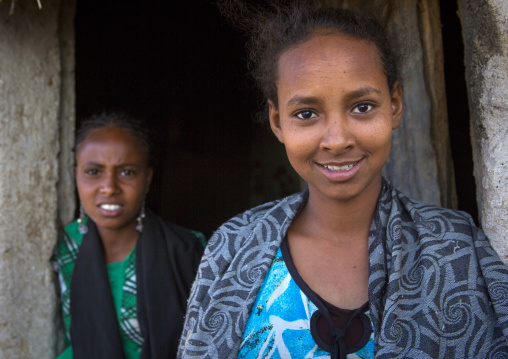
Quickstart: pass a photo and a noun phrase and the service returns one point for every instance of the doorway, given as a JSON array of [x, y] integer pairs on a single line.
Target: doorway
[[182, 68]]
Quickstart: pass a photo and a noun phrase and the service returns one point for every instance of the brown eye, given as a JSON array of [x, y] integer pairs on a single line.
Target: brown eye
[[363, 108], [128, 173], [306, 115], [92, 172]]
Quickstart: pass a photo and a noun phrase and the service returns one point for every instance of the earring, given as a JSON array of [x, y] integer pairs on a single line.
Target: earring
[[139, 226], [82, 228]]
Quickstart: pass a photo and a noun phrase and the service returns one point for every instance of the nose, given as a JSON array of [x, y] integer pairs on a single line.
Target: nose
[[109, 185], [337, 136]]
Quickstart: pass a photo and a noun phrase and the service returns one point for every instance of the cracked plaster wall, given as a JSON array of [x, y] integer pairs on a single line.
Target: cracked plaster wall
[[485, 33], [35, 111]]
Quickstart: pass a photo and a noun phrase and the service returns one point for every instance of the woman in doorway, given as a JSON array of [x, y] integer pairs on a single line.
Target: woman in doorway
[[350, 267], [124, 273]]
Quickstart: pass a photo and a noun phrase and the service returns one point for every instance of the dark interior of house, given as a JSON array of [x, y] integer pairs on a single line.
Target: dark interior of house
[[181, 67], [458, 108]]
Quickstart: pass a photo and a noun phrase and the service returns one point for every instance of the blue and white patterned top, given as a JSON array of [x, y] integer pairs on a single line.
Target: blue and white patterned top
[[279, 323]]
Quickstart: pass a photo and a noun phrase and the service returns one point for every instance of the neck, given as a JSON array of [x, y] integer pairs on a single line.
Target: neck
[[341, 222], [118, 243]]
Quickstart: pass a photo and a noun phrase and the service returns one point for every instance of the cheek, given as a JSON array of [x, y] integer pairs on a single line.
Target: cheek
[[299, 150], [84, 190], [378, 137], [300, 157], [300, 141], [136, 191], [380, 148], [86, 198]]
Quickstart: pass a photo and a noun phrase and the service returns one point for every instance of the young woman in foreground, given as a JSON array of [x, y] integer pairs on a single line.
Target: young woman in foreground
[[125, 274], [350, 267]]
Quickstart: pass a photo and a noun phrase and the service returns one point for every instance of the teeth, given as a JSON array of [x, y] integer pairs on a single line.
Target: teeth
[[340, 168], [110, 207]]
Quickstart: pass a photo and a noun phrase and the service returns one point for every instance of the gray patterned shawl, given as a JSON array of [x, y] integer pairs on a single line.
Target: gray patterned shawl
[[437, 289]]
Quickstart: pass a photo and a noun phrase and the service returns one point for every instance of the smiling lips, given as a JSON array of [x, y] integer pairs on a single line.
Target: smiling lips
[[340, 168], [342, 172], [343, 168], [110, 209]]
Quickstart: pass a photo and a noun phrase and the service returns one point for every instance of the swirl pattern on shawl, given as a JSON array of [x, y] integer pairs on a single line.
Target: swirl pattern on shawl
[[436, 287]]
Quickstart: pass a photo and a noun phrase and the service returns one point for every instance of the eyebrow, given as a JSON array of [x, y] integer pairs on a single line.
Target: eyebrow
[[122, 165], [364, 91], [93, 164], [302, 100], [311, 100]]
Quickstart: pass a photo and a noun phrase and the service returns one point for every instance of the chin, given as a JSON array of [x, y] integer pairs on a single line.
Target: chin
[[113, 225], [345, 192]]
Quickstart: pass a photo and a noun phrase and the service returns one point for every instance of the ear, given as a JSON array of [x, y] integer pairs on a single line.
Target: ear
[[396, 98], [273, 115], [149, 175]]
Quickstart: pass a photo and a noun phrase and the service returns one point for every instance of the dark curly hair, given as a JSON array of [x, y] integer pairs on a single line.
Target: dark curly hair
[[275, 26], [117, 120]]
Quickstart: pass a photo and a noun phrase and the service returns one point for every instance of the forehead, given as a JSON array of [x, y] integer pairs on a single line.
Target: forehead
[[109, 141], [330, 56]]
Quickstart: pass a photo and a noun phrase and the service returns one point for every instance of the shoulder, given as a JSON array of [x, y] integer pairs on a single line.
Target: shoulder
[[68, 245], [278, 210], [188, 235], [434, 220], [266, 218], [441, 261], [65, 255], [72, 231], [415, 227], [235, 262]]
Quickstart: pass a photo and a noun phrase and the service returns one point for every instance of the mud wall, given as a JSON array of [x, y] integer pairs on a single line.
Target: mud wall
[[36, 131], [485, 33]]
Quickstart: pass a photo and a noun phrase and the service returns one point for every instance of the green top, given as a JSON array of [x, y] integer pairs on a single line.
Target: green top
[[120, 274], [122, 278], [117, 273]]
